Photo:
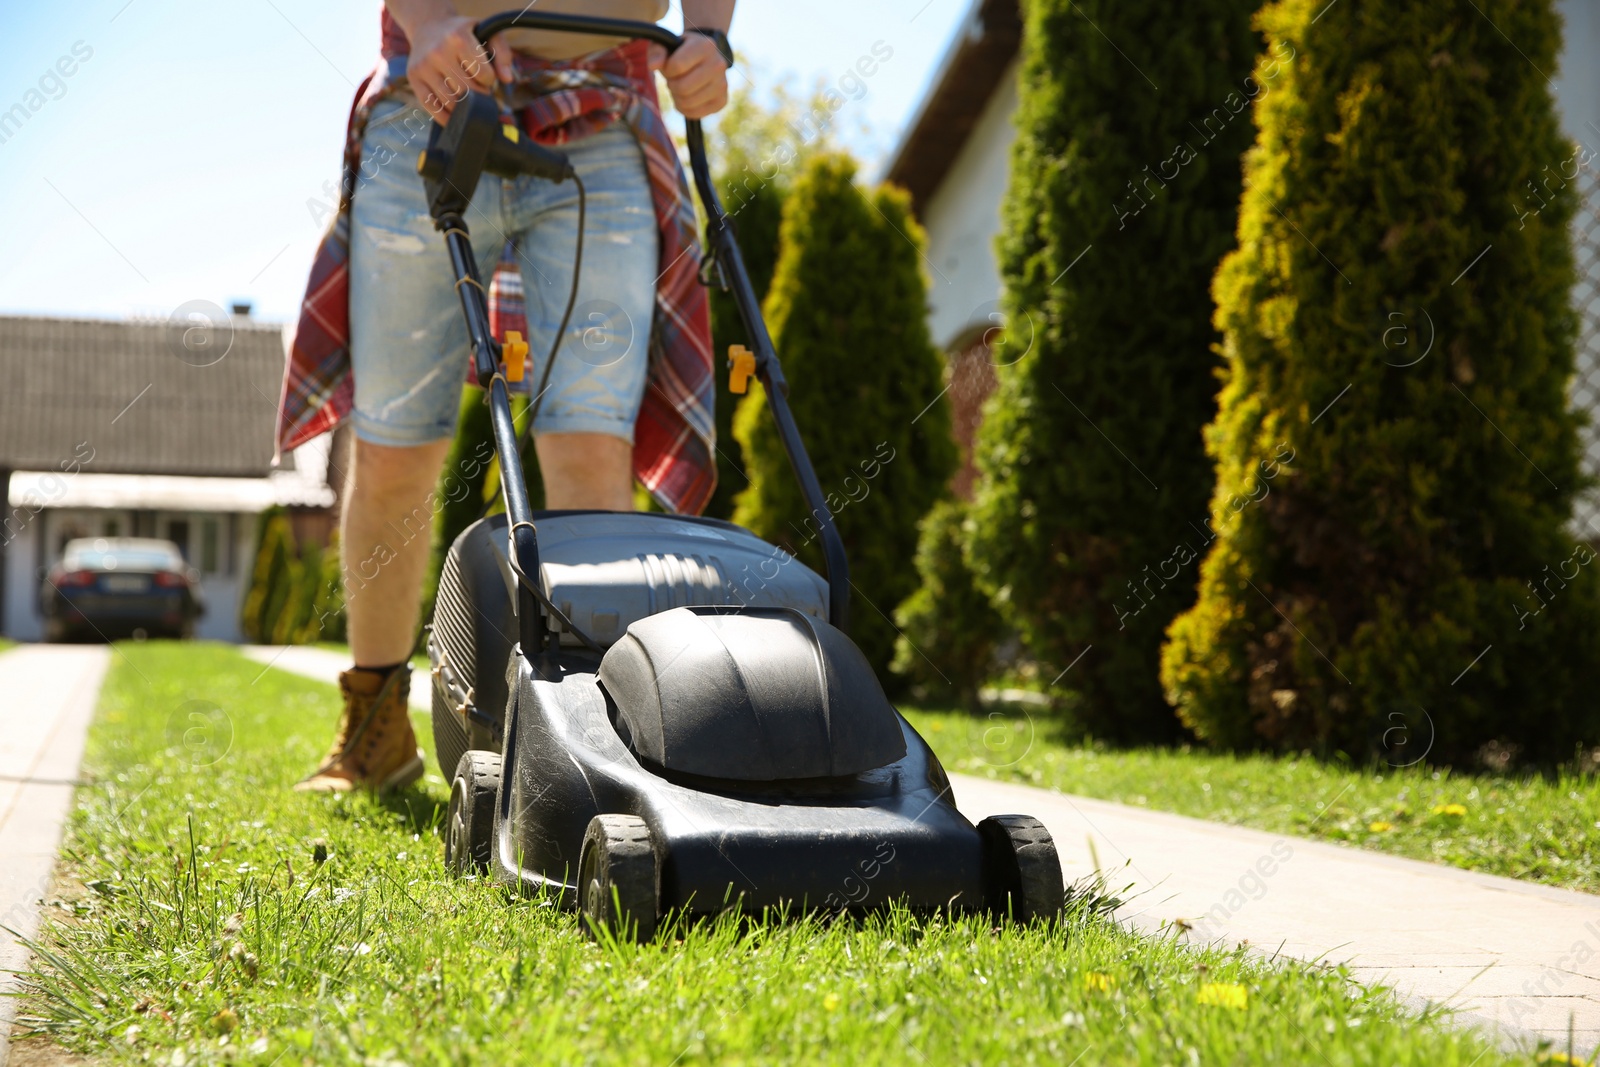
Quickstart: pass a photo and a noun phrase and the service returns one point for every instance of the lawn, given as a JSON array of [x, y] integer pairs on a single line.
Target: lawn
[[5, 644], [211, 915], [1537, 828]]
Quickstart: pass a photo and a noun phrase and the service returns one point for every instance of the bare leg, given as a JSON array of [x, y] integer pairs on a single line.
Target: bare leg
[[585, 470], [384, 539]]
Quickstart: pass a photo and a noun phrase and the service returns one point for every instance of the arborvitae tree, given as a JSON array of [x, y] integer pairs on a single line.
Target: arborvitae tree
[[271, 586], [847, 317], [327, 622], [1092, 469], [757, 152], [1399, 341], [470, 479], [949, 627]]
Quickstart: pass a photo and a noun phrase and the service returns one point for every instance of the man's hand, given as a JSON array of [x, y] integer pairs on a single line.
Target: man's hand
[[447, 62], [696, 74]]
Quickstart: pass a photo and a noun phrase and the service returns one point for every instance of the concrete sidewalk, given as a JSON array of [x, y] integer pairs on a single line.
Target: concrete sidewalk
[[1521, 957], [47, 697]]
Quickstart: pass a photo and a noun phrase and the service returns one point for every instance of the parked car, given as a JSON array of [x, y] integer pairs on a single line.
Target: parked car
[[110, 587]]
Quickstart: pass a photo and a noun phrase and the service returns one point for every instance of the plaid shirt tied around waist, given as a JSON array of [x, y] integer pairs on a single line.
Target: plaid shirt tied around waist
[[555, 102]]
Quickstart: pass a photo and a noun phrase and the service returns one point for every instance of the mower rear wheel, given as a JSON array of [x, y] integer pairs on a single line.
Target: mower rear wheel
[[618, 878], [1021, 869], [469, 827]]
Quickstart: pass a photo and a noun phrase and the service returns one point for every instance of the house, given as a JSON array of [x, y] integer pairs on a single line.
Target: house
[[954, 158], [145, 429]]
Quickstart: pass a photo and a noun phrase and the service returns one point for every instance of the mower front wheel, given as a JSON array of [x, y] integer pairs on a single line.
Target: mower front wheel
[[1021, 868], [469, 826], [618, 878]]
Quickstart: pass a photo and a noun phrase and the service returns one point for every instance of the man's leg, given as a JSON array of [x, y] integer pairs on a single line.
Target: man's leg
[[585, 470], [384, 537]]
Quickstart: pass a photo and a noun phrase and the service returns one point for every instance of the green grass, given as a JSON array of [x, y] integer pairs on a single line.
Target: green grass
[[1537, 828], [6, 644], [198, 921]]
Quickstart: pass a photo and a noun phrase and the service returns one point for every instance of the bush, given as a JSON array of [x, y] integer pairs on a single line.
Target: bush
[[756, 157], [1397, 322], [949, 628], [271, 576], [295, 595], [1091, 462], [846, 313]]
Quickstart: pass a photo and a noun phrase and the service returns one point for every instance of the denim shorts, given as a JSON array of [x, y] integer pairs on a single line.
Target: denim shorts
[[408, 341]]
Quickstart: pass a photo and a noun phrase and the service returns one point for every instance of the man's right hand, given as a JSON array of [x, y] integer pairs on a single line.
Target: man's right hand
[[447, 62]]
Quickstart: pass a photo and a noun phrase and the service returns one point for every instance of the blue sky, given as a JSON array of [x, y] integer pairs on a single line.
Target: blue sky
[[176, 161]]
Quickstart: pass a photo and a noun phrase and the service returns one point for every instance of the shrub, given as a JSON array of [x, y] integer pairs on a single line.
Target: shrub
[[1091, 462], [846, 313], [757, 155], [949, 628], [1396, 319], [271, 576]]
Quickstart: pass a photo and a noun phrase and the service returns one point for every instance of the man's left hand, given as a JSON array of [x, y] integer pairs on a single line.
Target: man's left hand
[[696, 74]]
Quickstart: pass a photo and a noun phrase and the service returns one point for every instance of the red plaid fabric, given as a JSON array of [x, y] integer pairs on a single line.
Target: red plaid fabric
[[674, 435]]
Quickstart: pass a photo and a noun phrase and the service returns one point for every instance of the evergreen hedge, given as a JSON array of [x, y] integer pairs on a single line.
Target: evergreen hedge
[[757, 156], [846, 313], [1397, 320], [295, 593], [949, 627], [1090, 458]]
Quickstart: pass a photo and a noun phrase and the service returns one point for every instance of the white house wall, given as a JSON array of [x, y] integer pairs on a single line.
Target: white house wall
[[962, 219]]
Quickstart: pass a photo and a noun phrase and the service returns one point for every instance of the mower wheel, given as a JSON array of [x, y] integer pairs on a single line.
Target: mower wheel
[[617, 878], [1021, 869], [469, 827]]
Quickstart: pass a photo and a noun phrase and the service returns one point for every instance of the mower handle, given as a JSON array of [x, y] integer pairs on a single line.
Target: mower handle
[[729, 262]]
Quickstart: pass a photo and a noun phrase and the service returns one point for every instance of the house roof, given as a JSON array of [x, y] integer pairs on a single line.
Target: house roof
[[984, 46], [137, 397]]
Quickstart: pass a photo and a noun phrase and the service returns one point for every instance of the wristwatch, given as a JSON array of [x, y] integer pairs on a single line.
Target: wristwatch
[[719, 39]]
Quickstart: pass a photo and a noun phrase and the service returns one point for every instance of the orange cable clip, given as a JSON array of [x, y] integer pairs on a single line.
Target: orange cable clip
[[514, 354], [741, 368]]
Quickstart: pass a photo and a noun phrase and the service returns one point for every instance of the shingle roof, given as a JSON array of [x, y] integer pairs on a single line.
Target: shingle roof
[[984, 47], [135, 395]]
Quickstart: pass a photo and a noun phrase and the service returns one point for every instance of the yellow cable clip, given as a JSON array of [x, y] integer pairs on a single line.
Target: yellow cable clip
[[741, 368], [514, 354]]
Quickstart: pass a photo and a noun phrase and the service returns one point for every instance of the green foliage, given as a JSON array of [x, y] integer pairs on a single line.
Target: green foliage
[[469, 480], [295, 595], [271, 584], [949, 627], [846, 313], [260, 953], [1396, 317], [1092, 469], [760, 148]]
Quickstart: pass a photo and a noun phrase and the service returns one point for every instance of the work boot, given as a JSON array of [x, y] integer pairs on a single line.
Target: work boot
[[375, 748]]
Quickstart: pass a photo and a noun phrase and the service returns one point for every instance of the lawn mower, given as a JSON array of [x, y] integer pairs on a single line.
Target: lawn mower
[[648, 714]]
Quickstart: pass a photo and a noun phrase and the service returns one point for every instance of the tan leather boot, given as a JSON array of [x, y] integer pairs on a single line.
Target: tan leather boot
[[375, 748]]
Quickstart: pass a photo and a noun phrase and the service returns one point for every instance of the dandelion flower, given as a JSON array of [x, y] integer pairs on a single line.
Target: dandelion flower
[[1224, 995], [1099, 983], [1450, 809], [1380, 827]]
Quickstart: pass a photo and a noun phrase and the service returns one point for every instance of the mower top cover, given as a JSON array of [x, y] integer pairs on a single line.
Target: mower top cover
[[749, 694]]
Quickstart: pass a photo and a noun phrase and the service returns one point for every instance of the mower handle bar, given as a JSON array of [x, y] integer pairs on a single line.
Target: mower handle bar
[[729, 260]]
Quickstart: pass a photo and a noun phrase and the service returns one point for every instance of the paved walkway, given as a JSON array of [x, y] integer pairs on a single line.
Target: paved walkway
[[47, 696], [1523, 957]]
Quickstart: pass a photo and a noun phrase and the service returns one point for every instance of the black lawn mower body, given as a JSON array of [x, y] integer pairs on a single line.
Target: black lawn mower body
[[649, 713]]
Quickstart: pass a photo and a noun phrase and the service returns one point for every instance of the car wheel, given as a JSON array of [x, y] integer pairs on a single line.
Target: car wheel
[[618, 878], [1021, 869], [469, 826]]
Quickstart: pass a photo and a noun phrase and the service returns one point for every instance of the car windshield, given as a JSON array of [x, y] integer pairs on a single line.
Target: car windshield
[[93, 557]]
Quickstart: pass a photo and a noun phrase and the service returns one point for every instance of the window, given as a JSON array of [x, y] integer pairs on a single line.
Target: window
[[178, 534], [208, 546], [111, 528]]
